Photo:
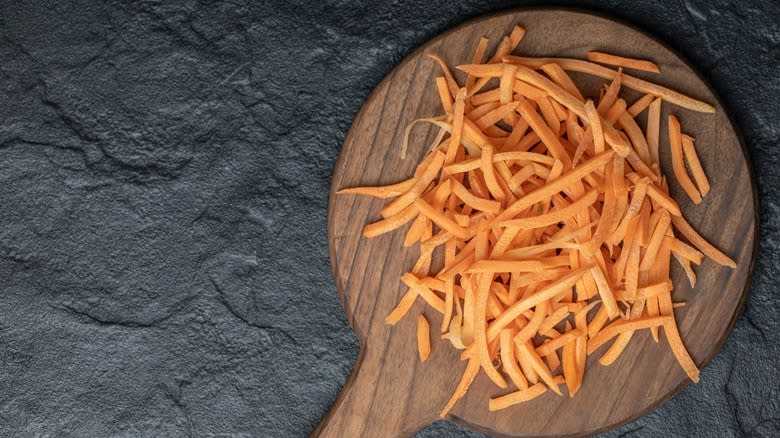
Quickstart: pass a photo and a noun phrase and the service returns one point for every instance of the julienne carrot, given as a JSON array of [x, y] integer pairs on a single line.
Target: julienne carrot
[[550, 207], [620, 61]]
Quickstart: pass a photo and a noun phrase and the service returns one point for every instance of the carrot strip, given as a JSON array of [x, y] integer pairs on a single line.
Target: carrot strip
[[620, 61], [675, 142], [452, 84], [557, 74], [634, 83], [643, 102], [610, 95], [423, 338], [538, 366], [465, 382], [679, 350], [616, 348], [508, 361], [654, 130], [696, 168], [555, 216], [699, 242], [548, 137], [381, 192], [513, 398], [595, 125], [614, 329], [391, 223]]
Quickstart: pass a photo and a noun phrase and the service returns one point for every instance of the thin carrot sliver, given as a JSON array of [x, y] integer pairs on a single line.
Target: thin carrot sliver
[[620, 61], [423, 338], [516, 397], [675, 143], [699, 242], [632, 82], [697, 170]]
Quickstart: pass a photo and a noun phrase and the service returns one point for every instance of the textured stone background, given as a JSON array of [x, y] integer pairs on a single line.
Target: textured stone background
[[164, 171]]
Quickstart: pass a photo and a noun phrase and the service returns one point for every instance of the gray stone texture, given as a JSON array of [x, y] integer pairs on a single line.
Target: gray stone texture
[[164, 173]]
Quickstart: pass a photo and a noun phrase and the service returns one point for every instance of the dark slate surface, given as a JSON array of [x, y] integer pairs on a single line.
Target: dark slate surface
[[165, 170]]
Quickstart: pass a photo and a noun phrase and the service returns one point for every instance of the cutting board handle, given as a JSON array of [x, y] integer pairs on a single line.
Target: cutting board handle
[[365, 408]]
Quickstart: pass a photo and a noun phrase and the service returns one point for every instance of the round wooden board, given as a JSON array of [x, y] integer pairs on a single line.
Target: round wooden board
[[390, 393]]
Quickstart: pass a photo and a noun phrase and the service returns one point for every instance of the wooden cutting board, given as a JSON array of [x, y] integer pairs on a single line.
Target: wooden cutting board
[[390, 393]]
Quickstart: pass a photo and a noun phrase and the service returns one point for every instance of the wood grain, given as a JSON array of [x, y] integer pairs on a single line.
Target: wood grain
[[390, 393]]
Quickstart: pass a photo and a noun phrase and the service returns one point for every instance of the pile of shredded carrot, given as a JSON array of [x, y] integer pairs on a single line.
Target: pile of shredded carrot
[[555, 220]]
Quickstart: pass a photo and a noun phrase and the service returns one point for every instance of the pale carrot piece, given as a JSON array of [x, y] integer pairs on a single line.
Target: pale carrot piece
[[679, 350], [632, 82], [616, 348], [610, 95], [557, 74], [620, 61], [381, 192], [699, 242], [595, 125], [513, 398], [452, 84], [643, 102], [465, 382], [614, 329], [423, 338], [654, 129], [555, 216], [527, 90], [538, 366], [696, 169], [678, 165], [508, 361]]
